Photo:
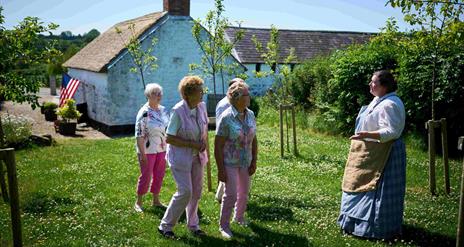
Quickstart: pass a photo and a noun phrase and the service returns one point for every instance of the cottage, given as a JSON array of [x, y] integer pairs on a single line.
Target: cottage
[[112, 94]]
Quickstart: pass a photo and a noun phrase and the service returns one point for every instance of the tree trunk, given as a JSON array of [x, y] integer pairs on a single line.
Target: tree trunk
[[52, 81]]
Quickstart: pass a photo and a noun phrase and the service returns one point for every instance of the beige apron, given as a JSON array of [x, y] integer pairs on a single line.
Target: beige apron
[[365, 165]]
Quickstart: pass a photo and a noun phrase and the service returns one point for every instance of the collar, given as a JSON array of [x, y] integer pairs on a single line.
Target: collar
[[385, 96], [235, 112]]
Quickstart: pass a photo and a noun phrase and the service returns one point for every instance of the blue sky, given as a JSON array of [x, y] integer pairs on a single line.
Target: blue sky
[[79, 16]]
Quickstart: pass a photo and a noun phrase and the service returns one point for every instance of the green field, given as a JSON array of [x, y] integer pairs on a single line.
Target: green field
[[81, 193]]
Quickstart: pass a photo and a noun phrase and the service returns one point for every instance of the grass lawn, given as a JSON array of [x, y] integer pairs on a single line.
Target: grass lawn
[[81, 193]]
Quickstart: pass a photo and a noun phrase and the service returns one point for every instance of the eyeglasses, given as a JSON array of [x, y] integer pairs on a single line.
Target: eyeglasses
[[157, 94]]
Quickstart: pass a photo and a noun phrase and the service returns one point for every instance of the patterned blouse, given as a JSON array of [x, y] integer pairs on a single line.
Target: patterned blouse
[[151, 125], [239, 137]]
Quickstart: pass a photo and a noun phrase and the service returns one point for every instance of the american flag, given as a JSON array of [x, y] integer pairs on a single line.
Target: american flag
[[68, 88]]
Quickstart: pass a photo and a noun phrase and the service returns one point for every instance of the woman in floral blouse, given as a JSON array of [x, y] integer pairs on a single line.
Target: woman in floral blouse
[[235, 150], [150, 132]]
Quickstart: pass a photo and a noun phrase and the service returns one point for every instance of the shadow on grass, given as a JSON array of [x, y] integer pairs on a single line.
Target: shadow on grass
[[158, 212], [422, 237], [40, 203], [260, 237], [271, 208]]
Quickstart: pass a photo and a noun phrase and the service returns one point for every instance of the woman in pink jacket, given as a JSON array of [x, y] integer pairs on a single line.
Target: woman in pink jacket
[[187, 154]]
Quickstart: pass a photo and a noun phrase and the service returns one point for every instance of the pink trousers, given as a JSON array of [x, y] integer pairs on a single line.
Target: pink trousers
[[189, 187], [155, 167], [236, 191]]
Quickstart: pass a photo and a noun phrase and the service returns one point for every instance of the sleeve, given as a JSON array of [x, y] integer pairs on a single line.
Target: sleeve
[[140, 124], [391, 122], [221, 126], [174, 124]]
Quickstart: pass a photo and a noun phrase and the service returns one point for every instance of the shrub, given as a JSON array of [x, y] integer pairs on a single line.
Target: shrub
[[49, 106], [68, 111], [254, 106], [17, 129]]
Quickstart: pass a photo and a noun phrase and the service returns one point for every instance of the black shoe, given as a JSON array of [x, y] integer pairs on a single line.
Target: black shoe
[[167, 234], [198, 233]]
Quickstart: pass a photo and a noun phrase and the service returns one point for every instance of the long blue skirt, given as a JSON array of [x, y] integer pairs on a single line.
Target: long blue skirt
[[378, 213]]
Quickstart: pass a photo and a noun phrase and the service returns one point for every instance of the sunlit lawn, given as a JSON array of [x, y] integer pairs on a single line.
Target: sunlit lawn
[[81, 193]]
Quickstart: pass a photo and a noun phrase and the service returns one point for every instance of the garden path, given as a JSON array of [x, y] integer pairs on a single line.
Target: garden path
[[40, 126]]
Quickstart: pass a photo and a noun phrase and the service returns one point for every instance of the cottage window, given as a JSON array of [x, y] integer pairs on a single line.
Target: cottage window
[[258, 67]]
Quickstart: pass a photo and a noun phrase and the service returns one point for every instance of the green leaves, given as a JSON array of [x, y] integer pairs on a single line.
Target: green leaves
[[210, 36], [21, 47], [142, 58]]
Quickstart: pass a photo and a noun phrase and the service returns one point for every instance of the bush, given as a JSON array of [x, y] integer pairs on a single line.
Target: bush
[[17, 129], [254, 106], [307, 79], [49, 106], [68, 111]]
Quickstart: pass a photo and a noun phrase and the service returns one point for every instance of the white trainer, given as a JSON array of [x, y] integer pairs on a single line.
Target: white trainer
[[226, 233]]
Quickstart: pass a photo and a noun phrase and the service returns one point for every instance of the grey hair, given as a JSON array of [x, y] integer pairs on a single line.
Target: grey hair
[[152, 88], [236, 91]]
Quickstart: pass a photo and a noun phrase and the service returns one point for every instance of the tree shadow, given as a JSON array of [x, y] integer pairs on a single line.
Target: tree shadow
[[260, 237], [423, 237], [40, 203], [271, 208], [159, 213]]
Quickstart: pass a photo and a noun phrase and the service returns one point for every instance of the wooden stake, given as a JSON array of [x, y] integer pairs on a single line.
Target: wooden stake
[[432, 183], [460, 233], [281, 131], [295, 150], [444, 145], [9, 158], [3, 183]]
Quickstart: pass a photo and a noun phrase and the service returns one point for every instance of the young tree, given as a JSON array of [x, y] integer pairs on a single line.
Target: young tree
[[214, 45], [433, 17], [280, 70], [21, 47], [143, 59]]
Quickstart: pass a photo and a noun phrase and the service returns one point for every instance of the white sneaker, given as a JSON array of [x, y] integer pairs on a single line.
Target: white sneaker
[[226, 233], [138, 208]]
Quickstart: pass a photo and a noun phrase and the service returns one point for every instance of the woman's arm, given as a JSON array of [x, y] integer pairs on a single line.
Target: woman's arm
[[366, 134], [219, 143], [141, 146], [179, 142], [254, 156]]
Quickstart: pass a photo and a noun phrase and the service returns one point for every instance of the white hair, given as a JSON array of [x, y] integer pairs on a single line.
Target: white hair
[[151, 88]]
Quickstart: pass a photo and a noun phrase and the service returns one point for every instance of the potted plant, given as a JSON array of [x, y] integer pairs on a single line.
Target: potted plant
[[49, 109], [67, 113]]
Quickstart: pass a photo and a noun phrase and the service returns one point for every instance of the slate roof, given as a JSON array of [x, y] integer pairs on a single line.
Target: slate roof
[[307, 44], [96, 55]]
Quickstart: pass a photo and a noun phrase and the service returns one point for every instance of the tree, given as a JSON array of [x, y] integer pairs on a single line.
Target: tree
[[22, 47], [91, 35], [280, 72], [143, 59], [214, 45], [434, 17]]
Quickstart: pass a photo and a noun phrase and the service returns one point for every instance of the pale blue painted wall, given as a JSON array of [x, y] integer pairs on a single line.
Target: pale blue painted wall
[[118, 94]]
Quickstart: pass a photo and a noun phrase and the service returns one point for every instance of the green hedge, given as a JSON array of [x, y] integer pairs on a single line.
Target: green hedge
[[335, 87]]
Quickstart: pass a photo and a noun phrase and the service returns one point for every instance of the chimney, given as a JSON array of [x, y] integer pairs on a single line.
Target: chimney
[[177, 7]]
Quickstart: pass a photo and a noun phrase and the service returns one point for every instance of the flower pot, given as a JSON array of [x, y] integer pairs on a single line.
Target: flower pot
[[50, 115], [67, 129]]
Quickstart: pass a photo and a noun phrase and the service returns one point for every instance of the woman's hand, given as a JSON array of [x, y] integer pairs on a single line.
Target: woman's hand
[[252, 168], [222, 175], [365, 134], [143, 159]]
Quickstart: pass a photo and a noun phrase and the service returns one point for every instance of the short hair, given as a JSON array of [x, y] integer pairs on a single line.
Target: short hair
[[188, 84], [151, 88], [387, 80], [236, 90], [236, 79]]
